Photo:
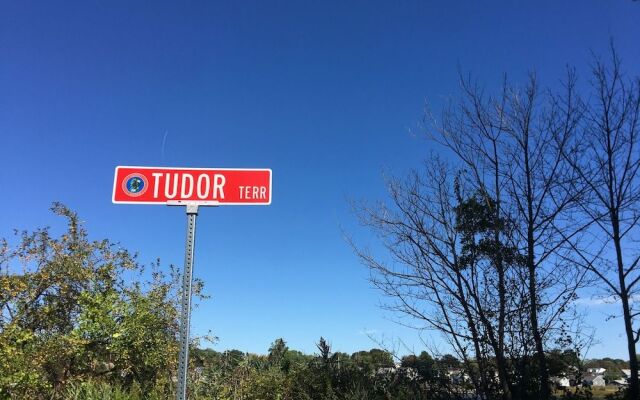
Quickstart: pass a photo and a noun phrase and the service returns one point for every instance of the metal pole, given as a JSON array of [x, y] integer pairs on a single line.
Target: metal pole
[[187, 278]]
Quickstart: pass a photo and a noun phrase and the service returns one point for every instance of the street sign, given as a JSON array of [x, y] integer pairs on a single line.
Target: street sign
[[190, 187], [203, 186]]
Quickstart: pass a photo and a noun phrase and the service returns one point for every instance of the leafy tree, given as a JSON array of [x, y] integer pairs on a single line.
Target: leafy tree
[[563, 362], [325, 351], [423, 364], [373, 359], [450, 362], [67, 314]]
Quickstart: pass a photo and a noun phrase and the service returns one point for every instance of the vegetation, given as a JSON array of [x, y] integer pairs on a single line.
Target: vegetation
[[79, 320], [490, 246], [74, 310]]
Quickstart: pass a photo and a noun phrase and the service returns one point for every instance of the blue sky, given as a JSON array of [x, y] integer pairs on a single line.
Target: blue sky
[[327, 94]]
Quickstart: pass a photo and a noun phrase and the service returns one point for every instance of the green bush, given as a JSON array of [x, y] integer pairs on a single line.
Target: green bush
[[74, 310]]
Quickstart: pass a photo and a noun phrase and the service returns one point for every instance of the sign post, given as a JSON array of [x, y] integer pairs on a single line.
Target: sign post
[[185, 315], [190, 187]]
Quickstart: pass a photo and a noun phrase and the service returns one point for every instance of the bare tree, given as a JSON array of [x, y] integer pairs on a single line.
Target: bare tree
[[477, 244], [434, 278], [514, 144], [607, 159], [535, 182]]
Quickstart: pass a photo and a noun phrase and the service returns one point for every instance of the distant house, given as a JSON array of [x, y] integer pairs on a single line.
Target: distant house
[[386, 370], [457, 376], [626, 372], [597, 371], [591, 379], [561, 381], [620, 382], [410, 373]]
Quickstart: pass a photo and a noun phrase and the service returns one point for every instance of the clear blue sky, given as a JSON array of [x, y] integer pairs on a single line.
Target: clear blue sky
[[324, 93]]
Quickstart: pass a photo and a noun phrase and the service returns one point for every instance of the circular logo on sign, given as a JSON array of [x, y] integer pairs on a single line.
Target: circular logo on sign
[[135, 184]]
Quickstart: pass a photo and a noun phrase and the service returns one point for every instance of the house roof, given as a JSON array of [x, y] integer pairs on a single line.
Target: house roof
[[591, 377]]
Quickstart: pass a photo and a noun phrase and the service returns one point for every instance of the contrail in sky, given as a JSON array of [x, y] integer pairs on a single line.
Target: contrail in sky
[[164, 140]]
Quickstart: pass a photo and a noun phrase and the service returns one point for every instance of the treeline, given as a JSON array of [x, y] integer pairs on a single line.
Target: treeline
[[530, 196], [613, 366], [375, 374], [288, 374]]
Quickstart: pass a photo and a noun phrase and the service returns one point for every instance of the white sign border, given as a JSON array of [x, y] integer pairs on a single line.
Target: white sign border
[[194, 202]]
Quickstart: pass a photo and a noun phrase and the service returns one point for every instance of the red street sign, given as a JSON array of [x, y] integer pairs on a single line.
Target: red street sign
[[204, 186]]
